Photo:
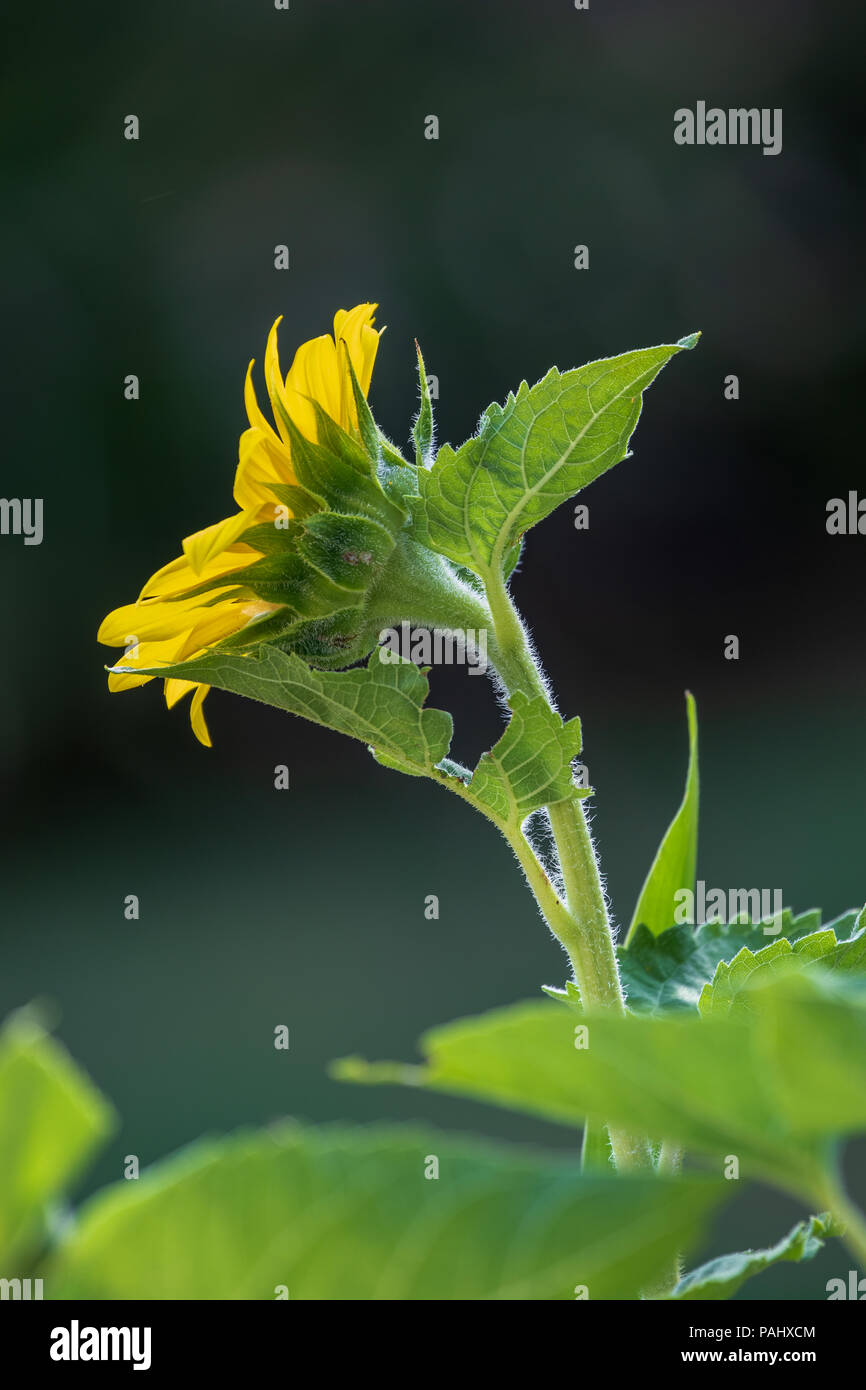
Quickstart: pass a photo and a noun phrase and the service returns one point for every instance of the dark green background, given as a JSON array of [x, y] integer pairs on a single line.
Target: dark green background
[[261, 127]]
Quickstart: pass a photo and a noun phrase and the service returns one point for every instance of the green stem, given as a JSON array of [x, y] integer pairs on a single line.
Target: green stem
[[591, 948], [670, 1162], [587, 936], [421, 588], [551, 905], [595, 1150], [833, 1195], [418, 586], [584, 930], [590, 940], [515, 665], [670, 1159]]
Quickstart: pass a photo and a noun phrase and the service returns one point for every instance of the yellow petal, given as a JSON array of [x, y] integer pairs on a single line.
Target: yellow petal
[[270, 441], [197, 719], [134, 622], [254, 414], [176, 689], [319, 373], [221, 620], [346, 319], [262, 461], [274, 379], [355, 328], [209, 543], [354, 334], [123, 680], [314, 376], [145, 654], [178, 576], [253, 475]]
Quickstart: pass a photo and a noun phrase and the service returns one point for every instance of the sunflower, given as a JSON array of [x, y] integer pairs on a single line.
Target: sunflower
[[173, 620]]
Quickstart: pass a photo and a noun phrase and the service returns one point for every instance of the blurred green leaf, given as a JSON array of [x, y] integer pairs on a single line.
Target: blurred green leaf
[[52, 1118], [521, 1057], [546, 443], [772, 1089], [675, 865], [721, 1278], [812, 1031], [350, 1216]]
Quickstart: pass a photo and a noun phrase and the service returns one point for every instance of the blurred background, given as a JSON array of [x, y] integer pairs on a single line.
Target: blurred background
[[305, 127]]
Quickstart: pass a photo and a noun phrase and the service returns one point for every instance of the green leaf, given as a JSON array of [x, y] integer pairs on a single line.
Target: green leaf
[[330, 1214], [812, 1029], [732, 989], [569, 994], [51, 1119], [381, 703], [530, 766], [850, 954], [675, 865], [521, 1057], [721, 1278], [546, 443], [772, 1088], [669, 971]]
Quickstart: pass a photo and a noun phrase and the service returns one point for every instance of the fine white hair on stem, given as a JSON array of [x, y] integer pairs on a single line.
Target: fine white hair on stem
[[538, 833], [536, 661], [602, 878]]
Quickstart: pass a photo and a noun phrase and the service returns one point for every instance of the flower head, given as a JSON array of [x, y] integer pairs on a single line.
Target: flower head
[[222, 585]]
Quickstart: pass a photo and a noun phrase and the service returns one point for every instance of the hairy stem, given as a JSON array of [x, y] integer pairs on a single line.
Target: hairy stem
[[670, 1162], [670, 1158], [595, 1151], [430, 594], [584, 929], [591, 949]]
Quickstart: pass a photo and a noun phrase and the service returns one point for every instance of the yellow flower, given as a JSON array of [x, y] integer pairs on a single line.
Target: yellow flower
[[169, 623], [318, 373]]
